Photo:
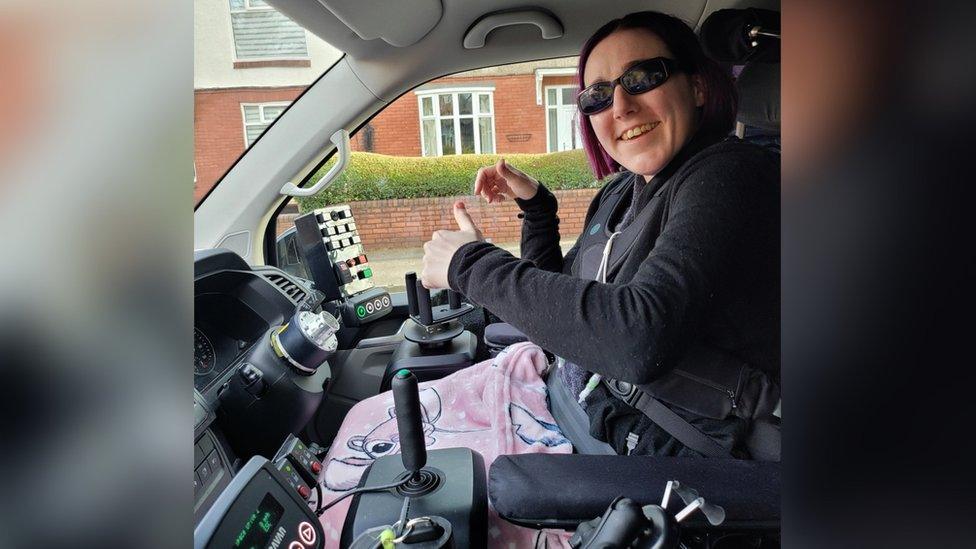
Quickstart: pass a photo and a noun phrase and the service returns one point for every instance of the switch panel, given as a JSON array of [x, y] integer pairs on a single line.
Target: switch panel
[[333, 253]]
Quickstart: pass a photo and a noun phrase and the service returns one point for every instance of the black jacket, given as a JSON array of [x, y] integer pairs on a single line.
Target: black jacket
[[704, 270]]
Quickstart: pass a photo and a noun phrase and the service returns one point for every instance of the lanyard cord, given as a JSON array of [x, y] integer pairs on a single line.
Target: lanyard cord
[[601, 276], [601, 273]]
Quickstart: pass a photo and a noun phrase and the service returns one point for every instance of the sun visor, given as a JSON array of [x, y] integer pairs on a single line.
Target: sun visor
[[414, 18]]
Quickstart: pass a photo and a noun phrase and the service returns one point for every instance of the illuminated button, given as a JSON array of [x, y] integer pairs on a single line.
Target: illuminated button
[[365, 273], [361, 311], [370, 308], [386, 301], [295, 545], [304, 491], [306, 533], [378, 304]]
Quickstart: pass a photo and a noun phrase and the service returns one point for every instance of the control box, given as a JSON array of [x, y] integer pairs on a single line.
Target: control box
[[259, 509], [333, 253], [366, 307], [304, 461]]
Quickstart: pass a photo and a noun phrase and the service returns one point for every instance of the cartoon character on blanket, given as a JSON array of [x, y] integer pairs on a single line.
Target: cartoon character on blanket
[[495, 407]]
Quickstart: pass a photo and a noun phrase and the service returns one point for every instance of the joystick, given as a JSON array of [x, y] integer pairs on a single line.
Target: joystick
[[406, 401], [433, 327], [410, 428]]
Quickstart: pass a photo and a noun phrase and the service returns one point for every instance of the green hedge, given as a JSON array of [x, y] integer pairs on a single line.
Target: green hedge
[[379, 177]]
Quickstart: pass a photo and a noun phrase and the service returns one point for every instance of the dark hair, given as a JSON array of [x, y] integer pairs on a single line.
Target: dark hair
[[718, 112]]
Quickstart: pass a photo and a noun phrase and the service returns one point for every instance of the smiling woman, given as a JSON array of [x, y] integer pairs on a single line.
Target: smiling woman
[[677, 273]]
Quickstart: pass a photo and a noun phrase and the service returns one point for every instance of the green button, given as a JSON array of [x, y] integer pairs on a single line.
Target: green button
[[367, 272], [361, 311], [404, 373]]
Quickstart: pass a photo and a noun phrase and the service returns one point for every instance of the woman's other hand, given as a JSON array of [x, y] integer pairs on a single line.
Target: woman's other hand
[[442, 246], [501, 181]]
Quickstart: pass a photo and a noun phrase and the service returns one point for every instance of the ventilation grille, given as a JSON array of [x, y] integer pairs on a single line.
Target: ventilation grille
[[292, 290]]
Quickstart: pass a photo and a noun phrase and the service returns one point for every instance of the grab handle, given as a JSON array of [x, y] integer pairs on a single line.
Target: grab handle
[[341, 140]]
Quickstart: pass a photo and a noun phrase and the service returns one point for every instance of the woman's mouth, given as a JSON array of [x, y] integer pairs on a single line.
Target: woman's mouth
[[637, 131]]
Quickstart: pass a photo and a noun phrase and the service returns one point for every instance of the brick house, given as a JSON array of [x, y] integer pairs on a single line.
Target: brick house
[[250, 62]]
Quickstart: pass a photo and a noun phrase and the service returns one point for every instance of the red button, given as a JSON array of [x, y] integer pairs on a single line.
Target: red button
[[306, 533], [362, 259], [304, 491], [316, 467]]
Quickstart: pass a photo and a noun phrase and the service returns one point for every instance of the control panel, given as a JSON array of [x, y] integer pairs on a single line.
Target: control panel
[[209, 472], [259, 509], [333, 253], [366, 307]]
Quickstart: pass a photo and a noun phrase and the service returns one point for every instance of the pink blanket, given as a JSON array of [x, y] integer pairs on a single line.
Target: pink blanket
[[495, 407]]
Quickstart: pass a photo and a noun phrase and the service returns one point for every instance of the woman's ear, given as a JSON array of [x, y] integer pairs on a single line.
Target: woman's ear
[[698, 88]]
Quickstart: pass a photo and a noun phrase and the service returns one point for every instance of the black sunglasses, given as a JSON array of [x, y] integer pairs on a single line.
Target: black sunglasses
[[642, 77]]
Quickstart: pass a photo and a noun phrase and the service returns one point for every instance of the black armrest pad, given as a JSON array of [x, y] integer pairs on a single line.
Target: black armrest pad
[[560, 491], [501, 334]]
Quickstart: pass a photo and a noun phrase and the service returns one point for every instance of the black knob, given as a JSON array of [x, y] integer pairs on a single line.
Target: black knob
[[406, 401], [411, 281], [454, 299], [423, 304], [335, 215]]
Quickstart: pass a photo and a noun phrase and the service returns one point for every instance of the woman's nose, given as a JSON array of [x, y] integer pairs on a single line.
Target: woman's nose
[[623, 102]]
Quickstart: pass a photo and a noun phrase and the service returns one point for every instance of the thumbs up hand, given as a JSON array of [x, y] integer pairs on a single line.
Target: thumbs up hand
[[442, 246]]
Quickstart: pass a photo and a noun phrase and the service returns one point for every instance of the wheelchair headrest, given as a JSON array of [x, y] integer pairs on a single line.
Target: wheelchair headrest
[[741, 35], [759, 103]]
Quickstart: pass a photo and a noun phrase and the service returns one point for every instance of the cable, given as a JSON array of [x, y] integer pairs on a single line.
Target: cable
[[364, 489]]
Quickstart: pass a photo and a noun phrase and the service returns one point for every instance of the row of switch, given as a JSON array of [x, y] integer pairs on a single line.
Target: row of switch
[[346, 276], [206, 463], [334, 215], [338, 229], [340, 243], [373, 306]]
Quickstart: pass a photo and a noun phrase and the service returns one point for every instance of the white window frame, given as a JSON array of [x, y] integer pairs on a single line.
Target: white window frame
[[545, 99], [262, 106], [475, 115], [233, 38]]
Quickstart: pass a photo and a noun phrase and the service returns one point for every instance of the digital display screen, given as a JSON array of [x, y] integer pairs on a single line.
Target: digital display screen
[[257, 530]]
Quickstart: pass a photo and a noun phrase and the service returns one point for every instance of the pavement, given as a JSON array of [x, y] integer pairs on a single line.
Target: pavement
[[389, 265]]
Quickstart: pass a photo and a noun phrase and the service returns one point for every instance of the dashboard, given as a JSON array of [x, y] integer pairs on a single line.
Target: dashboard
[[234, 305]]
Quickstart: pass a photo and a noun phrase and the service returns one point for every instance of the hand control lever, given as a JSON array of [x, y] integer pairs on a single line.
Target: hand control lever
[[406, 402]]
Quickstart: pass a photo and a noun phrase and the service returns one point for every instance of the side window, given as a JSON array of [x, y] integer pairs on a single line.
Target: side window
[[249, 63], [413, 160]]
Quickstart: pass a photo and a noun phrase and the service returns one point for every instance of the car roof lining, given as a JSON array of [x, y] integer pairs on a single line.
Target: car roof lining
[[387, 70]]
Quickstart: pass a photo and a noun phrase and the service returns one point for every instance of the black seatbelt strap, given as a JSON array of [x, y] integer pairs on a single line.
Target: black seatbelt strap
[[665, 418]]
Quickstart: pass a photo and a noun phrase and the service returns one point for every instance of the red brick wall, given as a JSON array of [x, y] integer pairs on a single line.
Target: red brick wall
[[410, 222], [218, 129]]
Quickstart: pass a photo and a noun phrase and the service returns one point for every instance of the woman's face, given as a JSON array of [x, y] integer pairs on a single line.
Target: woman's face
[[669, 110]]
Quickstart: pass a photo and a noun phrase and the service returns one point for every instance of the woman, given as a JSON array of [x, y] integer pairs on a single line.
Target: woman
[[677, 268]]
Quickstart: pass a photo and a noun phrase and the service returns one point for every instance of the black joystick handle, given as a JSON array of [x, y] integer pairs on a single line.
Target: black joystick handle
[[423, 303], [406, 401], [411, 282], [454, 299]]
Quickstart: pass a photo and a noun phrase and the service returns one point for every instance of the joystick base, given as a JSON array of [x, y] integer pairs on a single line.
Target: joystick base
[[461, 496]]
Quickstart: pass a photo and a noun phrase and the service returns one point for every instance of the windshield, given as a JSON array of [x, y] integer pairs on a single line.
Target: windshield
[[250, 62]]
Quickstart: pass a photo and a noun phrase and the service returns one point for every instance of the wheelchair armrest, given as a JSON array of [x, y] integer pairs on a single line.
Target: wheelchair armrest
[[560, 491], [501, 335]]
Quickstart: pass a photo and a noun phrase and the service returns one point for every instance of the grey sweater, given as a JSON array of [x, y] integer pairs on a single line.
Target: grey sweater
[[705, 269]]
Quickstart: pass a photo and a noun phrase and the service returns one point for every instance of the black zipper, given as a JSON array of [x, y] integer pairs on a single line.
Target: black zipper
[[732, 394]]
